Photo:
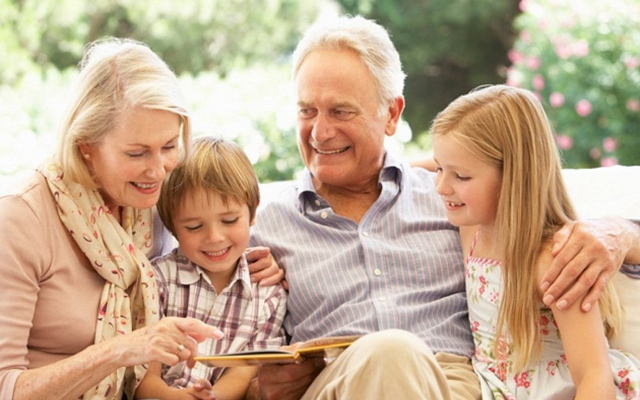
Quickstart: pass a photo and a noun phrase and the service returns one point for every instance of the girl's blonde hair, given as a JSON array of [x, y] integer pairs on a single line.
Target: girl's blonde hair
[[116, 76], [216, 166], [508, 128]]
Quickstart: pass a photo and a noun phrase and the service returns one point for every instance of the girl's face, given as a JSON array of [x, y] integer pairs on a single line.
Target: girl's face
[[469, 186], [131, 162]]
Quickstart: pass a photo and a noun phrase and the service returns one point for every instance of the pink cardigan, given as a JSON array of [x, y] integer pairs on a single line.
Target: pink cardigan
[[49, 292]]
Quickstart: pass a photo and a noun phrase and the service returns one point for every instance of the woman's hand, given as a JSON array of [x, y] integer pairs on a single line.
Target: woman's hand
[[264, 268], [168, 341]]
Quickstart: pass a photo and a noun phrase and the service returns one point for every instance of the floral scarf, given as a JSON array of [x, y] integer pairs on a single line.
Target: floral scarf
[[118, 252]]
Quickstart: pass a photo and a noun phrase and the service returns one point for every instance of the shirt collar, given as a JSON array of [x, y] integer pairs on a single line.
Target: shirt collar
[[190, 273], [392, 170]]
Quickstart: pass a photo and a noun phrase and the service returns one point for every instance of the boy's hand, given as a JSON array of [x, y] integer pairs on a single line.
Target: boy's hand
[[201, 390], [264, 268]]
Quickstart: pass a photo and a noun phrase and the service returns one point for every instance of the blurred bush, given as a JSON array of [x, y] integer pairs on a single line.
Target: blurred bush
[[583, 61]]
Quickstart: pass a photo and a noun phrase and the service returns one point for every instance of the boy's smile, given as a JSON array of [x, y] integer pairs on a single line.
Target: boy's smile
[[213, 233]]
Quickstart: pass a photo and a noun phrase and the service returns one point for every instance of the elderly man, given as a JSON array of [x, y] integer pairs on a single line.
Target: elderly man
[[364, 239]]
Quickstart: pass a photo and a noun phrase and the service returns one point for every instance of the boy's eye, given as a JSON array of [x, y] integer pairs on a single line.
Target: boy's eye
[[193, 227], [134, 155], [230, 221]]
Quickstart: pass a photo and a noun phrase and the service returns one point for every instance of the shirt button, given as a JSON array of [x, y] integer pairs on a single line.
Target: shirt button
[[317, 202], [324, 215], [382, 299], [377, 272], [365, 234]]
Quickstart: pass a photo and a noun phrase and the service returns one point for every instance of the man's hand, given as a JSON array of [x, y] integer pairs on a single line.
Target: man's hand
[[289, 381], [586, 255]]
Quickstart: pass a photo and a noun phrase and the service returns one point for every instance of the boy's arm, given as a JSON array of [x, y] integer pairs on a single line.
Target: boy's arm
[[153, 386], [233, 383], [590, 370]]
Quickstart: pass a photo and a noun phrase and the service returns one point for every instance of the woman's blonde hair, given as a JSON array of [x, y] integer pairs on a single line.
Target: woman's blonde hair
[[508, 128], [116, 76], [216, 166]]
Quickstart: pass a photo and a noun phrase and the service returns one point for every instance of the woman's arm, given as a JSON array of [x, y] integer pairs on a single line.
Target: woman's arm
[[72, 377], [580, 331]]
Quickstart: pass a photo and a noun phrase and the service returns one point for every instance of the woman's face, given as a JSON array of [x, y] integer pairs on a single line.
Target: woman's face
[[130, 162]]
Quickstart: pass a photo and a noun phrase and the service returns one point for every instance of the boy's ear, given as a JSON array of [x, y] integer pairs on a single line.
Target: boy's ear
[[255, 210]]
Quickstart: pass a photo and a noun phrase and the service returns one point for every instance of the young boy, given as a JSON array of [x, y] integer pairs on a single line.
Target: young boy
[[209, 203]]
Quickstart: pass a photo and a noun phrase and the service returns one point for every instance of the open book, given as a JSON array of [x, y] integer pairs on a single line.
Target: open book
[[328, 347]]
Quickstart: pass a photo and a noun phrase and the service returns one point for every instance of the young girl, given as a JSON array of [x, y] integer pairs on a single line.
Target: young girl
[[499, 174]]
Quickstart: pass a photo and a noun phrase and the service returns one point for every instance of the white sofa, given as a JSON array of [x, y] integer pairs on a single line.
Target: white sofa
[[599, 192], [596, 192]]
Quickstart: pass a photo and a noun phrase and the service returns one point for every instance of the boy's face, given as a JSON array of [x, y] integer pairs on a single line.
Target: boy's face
[[212, 234]]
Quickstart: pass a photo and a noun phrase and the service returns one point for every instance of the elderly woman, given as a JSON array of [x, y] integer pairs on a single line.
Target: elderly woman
[[78, 293]]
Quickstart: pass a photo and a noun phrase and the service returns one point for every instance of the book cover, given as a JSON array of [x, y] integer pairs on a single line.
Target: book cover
[[328, 347]]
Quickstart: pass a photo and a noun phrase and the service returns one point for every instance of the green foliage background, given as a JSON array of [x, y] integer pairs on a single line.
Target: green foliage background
[[233, 60]]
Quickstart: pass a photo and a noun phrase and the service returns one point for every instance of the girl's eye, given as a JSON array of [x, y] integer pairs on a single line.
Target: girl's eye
[[230, 221], [463, 178]]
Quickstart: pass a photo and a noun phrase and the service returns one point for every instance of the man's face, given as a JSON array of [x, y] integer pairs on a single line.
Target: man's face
[[341, 125]]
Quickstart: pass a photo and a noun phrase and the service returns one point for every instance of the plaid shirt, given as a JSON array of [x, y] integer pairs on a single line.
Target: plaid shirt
[[249, 315]]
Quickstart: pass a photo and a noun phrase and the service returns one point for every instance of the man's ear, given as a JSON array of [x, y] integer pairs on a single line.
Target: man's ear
[[394, 111]]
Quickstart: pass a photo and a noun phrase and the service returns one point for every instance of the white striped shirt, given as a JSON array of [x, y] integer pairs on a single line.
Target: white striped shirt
[[400, 267]]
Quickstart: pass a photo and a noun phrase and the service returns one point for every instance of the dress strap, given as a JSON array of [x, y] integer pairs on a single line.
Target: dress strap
[[473, 242]]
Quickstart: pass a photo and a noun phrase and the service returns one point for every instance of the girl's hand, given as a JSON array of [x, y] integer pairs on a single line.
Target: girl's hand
[[168, 341], [263, 267], [202, 390]]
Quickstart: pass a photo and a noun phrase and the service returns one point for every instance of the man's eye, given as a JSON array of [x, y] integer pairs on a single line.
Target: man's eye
[[307, 113], [344, 115]]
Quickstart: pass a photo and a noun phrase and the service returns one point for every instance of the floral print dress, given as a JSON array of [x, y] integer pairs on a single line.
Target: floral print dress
[[549, 377]]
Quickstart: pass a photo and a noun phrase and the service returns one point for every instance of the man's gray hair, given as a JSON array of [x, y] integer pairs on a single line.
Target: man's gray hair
[[365, 37]]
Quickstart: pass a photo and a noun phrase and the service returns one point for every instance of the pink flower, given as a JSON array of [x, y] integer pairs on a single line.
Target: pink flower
[[523, 5], [556, 99], [581, 48], [609, 144], [562, 51], [538, 82], [525, 36], [633, 105], [608, 161], [515, 56], [564, 142], [632, 62], [533, 63], [583, 108], [595, 153]]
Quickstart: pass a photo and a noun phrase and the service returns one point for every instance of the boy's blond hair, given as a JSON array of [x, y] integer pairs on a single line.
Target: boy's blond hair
[[216, 166]]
